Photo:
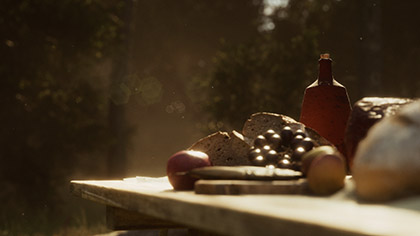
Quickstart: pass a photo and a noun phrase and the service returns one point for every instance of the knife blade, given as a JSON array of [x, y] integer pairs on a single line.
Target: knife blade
[[243, 173]]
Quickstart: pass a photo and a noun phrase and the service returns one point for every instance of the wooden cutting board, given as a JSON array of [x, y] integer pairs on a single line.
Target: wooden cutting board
[[235, 187]]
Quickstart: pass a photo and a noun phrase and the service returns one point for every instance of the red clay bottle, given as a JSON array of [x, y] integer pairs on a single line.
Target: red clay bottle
[[326, 105]]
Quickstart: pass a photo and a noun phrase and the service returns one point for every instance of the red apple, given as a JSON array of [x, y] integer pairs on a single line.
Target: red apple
[[184, 161]]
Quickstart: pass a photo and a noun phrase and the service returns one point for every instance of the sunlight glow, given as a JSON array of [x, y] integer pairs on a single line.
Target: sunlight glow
[[270, 7]]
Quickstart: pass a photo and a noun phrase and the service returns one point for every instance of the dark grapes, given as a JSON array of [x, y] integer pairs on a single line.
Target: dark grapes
[[285, 163], [286, 135], [254, 153], [266, 149], [272, 157], [283, 150], [287, 156], [296, 141], [275, 142], [269, 133], [300, 132], [260, 141], [259, 161], [298, 153], [307, 143]]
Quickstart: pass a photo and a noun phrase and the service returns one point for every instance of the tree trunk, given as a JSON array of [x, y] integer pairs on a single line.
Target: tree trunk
[[371, 48], [120, 92]]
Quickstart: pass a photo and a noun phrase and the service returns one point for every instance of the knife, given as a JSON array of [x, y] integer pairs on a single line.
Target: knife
[[242, 173]]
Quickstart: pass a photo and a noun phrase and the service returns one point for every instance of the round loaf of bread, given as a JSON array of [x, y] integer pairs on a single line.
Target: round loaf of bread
[[387, 161], [365, 113], [260, 122]]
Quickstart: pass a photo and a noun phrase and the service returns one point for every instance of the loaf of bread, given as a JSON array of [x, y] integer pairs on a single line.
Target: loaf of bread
[[365, 113], [231, 149], [387, 161], [224, 149], [260, 122]]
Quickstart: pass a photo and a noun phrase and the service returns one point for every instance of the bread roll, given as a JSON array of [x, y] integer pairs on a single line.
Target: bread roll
[[387, 161]]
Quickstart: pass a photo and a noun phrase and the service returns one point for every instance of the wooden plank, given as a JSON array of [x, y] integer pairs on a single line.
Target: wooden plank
[[236, 187], [246, 215], [121, 219]]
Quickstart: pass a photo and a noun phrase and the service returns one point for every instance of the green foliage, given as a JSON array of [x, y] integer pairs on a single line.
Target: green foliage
[[271, 72], [265, 75]]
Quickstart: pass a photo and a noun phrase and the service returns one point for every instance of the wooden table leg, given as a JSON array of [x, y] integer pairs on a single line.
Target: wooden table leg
[[121, 219]]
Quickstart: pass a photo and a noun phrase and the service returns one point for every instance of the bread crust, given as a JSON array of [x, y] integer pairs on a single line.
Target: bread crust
[[231, 149], [224, 149], [387, 161], [260, 122], [366, 112]]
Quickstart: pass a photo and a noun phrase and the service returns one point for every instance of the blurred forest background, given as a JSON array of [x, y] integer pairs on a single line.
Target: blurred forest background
[[101, 89]]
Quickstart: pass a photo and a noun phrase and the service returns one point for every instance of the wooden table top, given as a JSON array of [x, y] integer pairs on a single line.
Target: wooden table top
[[339, 214]]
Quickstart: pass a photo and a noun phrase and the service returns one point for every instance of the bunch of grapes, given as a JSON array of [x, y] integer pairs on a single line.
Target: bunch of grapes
[[284, 150]]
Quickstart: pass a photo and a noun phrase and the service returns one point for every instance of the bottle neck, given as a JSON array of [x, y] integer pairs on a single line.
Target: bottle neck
[[325, 72]]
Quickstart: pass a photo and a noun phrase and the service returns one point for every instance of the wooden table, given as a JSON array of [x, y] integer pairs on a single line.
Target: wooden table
[[143, 202]]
